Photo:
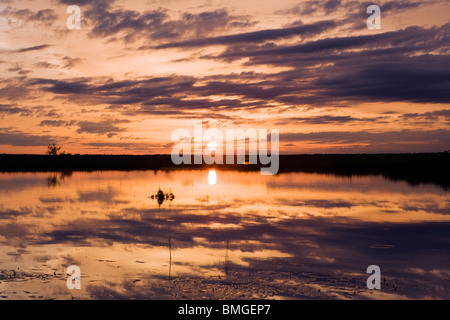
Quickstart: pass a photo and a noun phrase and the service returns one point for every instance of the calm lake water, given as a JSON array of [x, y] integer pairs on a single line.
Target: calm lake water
[[224, 235]]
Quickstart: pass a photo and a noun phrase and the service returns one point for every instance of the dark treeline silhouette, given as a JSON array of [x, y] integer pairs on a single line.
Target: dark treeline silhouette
[[413, 168]]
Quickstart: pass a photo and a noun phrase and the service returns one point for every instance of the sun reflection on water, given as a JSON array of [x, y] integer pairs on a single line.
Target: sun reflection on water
[[212, 177]]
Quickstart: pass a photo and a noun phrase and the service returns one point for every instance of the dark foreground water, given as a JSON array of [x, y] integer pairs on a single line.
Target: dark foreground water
[[224, 235]]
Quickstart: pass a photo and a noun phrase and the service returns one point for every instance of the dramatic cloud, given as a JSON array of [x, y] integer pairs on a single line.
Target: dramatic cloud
[[52, 123], [327, 120], [362, 136], [423, 141], [256, 36], [430, 116], [349, 8], [417, 79], [12, 109], [26, 15], [299, 67], [106, 127], [410, 40], [346, 74], [33, 48], [17, 138], [156, 24]]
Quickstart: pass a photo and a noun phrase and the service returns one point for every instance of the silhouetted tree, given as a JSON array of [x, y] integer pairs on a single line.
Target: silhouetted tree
[[54, 149]]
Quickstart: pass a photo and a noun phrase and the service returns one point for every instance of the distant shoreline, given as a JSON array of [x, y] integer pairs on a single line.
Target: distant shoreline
[[414, 168]]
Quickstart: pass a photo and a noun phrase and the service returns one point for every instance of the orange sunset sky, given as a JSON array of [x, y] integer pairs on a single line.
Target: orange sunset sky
[[138, 70]]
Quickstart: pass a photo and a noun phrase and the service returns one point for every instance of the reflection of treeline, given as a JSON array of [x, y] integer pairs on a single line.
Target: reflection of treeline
[[57, 177], [413, 168]]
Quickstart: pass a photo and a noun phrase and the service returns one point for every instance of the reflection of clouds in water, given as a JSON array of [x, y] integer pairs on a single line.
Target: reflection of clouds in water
[[443, 274], [6, 213], [425, 205], [56, 200], [107, 195], [265, 235], [318, 203], [336, 243], [15, 182]]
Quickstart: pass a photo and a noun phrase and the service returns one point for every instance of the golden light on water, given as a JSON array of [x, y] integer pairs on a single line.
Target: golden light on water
[[212, 177], [216, 234]]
